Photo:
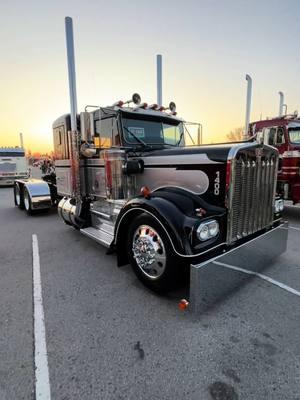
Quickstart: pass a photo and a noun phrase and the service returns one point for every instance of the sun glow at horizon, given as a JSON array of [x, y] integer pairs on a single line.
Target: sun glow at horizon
[[204, 65]]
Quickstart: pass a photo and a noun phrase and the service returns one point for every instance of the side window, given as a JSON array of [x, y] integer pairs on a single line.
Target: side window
[[60, 143], [280, 136], [103, 129], [115, 133], [266, 135], [272, 137], [107, 132], [171, 134]]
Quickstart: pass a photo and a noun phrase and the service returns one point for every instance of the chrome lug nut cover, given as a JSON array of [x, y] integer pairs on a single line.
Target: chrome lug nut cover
[[149, 251]]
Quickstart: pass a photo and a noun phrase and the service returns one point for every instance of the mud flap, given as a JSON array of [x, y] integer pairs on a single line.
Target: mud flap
[[213, 280]]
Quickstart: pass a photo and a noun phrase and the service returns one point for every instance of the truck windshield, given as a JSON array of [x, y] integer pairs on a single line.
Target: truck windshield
[[294, 134], [139, 131], [12, 161], [11, 153]]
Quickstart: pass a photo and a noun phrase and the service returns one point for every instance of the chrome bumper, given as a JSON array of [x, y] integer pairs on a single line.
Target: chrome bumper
[[6, 181], [211, 281]]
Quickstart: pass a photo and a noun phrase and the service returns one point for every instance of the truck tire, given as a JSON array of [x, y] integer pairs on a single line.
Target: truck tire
[[18, 196], [152, 257], [27, 202]]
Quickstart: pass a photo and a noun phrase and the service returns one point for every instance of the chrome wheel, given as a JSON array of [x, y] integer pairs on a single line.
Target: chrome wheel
[[149, 251], [26, 201]]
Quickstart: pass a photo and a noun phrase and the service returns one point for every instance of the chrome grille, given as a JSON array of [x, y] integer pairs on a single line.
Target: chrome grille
[[7, 167], [252, 188]]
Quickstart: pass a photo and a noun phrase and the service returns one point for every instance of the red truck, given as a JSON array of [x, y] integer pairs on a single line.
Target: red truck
[[283, 133]]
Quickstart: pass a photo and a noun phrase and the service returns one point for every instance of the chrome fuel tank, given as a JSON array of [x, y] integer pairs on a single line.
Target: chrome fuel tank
[[67, 211]]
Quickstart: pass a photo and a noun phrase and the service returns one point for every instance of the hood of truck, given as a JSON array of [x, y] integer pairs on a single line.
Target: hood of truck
[[200, 170], [197, 154]]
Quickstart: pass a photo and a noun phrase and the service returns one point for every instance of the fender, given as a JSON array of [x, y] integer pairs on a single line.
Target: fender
[[39, 192], [174, 209]]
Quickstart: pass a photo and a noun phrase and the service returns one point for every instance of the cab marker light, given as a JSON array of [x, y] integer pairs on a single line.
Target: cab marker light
[[142, 105], [183, 304], [145, 192], [200, 212], [119, 103], [153, 107]]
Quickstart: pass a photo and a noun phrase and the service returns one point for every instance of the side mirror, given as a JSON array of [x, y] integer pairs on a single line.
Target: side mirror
[[87, 150], [85, 126]]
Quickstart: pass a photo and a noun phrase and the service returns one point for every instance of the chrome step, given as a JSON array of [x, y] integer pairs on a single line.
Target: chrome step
[[106, 227], [101, 236], [101, 214]]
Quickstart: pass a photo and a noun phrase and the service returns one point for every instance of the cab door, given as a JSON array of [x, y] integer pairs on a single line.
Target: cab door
[[280, 143], [275, 136], [269, 135]]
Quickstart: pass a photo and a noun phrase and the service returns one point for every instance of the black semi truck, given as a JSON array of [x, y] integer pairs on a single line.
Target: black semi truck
[[126, 178]]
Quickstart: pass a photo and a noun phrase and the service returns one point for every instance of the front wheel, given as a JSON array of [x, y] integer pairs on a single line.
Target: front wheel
[[152, 256]]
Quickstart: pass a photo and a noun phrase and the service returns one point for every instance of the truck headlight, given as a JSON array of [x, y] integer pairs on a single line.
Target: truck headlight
[[279, 205], [207, 230]]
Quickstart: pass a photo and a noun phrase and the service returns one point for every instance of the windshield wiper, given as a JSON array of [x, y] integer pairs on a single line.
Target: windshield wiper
[[145, 145], [188, 134], [180, 139]]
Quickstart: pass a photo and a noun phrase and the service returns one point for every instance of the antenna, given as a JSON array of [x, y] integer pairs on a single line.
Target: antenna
[[159, 78], [248, 104]]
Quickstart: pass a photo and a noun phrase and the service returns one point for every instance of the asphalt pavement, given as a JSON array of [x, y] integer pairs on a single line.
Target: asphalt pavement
[[110, 338]]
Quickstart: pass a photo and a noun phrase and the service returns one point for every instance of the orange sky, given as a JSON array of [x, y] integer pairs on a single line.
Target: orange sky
[[204, 62]]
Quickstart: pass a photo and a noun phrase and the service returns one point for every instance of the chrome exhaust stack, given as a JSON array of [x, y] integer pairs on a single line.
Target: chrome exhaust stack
[[21, 141], [281, 104], [74, 135], [248, 105], [159, 78]]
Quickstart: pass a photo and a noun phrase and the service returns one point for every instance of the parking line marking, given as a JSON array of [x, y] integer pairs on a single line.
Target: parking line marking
[[294, 227], [264, 277], [42, 382]]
